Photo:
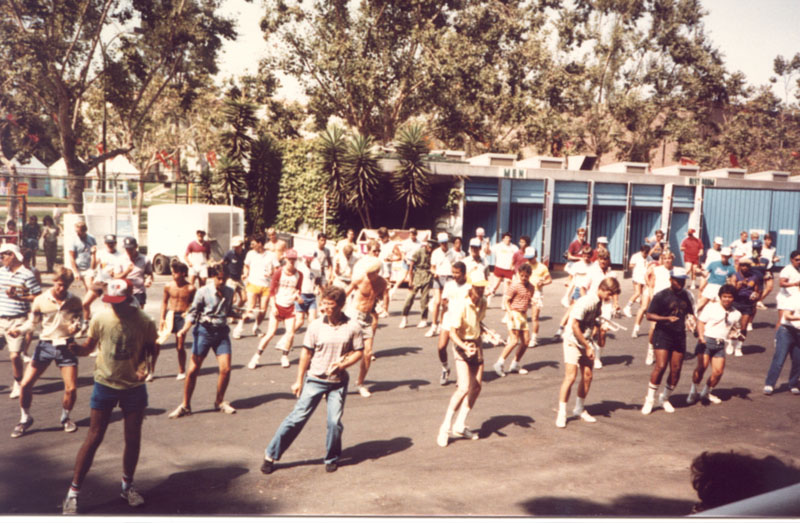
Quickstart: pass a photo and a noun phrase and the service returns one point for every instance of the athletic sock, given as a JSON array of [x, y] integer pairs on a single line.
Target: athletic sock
[[651, 391], [448, 417], [24, 415], [64, 415], [461, 419], [706, 390], [73, 490], [579, 404], [127, 483], [562, 407], [693, 389], [501, 360], [666, 392]]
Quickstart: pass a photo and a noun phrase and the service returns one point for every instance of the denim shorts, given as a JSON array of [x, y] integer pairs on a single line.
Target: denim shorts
[[45, 352], [207, 338], [309, 303], [106, 398], [178, 321], [713, 347]]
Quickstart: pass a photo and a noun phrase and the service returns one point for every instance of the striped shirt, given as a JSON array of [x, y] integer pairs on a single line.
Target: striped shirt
[[25, 283], [520, 296], [330, 344]]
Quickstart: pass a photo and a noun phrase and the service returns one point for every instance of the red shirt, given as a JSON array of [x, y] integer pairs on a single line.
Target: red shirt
[[520, 296], [691, 248], [196, 246]]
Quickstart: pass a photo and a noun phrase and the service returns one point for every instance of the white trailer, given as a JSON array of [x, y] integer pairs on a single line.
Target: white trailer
[[172, 226]]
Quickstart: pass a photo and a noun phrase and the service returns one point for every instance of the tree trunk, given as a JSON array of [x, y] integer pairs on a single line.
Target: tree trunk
[[405, 217]]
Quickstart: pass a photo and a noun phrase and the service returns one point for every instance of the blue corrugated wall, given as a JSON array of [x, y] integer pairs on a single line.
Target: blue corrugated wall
[[566, 221], [609, 222], [643, 225], [679, 226], [784, 224], [527, 219], [727, 212]]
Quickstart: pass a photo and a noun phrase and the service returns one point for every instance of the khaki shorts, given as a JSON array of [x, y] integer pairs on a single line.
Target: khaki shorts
[[201, 271], [14, 344], [517, 321], [234, 284], [575, 356], [257, 290]]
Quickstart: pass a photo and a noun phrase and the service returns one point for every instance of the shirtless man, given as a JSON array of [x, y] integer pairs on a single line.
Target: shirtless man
[[178, 297], [370, 287]]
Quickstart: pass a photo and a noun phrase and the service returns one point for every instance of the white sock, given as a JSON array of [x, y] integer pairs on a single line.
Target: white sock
[[448, 418], [461, 419], [693, 389], [706, 390], [64, 415], [501, 360], [666, 392], [579, 404], [562, 407], [651, 391], [24, 415]]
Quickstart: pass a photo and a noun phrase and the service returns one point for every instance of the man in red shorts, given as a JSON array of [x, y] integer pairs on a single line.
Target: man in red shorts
[[692, 250]]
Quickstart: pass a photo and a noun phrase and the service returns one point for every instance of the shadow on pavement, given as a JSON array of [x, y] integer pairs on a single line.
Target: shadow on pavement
[[383, 386], [399, 351], [116, 416], [631, 505], [256, 401], [606, 407], [368, 450], [752, 349], [494, 425], [56, 384], [734, 392], [197, 491], [625, 359]]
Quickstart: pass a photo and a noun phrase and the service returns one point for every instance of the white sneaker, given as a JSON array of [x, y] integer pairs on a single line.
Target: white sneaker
[[768, 389], [16, 390], [565, 304], [647, 408], [561, 420], [558, 333], [70, 506], [627, 311], [256, 331], [431, 332], [443, 438], [534, 342], [438, 329], [466, 434], [498, 368], [598, 364], [749, 327], [588, 418], [365, 393], [237, 333], [225, 408], [729, 347], [516, 367], [665, 404], [422, 324], [133, 498], [651, 356], [635, 332], [253, 363], [285, 361], [26, 359], [150, 377], [795, 391], [180, 376], [713, 399], [403, 323], [738, 350], [760, 305], [691, 398]]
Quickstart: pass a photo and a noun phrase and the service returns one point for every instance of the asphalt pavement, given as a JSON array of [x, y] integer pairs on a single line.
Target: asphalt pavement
[[208, 463]]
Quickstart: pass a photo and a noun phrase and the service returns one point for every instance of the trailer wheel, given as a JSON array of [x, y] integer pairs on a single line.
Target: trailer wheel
[[161, 264]]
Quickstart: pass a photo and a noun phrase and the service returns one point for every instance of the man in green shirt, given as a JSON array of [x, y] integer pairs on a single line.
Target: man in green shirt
[[421, 281], [126, 341]]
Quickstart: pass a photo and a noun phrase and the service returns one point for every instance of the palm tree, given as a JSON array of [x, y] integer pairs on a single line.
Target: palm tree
[[331, 148], [362, 173], [411, 181]]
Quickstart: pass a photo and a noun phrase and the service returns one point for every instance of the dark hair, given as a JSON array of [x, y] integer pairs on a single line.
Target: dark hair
[[644, 248], [48, 218], [794, 254], [259, 238], [178, 266], [460, 266], [218, 269], [65, 276], [322, 235], [383, 232], [200, 231], [727, 289], [610, 284], [505, 234], [525, 268], [724, 477], [526, 238], [332, 292]]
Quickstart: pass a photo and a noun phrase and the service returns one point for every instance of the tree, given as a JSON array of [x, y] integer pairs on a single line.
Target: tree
[[239, 114], [411, 181], [54, 54], [263, 182], [330, 149], [363, 177]]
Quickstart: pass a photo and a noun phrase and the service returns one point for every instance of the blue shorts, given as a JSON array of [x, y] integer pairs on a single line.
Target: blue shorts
[[45, 352], [309, 303], [576, 294], [207, 338], [440, 281], [106, 398], [715, 348], [178, 321]]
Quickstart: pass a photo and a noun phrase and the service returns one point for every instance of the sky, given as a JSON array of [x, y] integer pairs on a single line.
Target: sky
[[750, 34]]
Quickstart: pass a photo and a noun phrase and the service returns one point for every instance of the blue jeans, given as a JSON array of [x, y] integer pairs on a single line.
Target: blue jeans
[[787, 343], [313, 391]]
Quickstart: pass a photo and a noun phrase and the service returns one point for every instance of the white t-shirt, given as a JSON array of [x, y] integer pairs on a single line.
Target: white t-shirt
[[474, 266], [442, 262], [108, 263], [711, 256], [718, 321], [455, 295], [793, 305], [661, 282], [260, 266], [768, 253], [639, 267], [310, 275], [408, 247], [345, 265], [503, 254], [741, 248], [386, 251], [587, 313], [596, 275], [793, 276], [580, 275]]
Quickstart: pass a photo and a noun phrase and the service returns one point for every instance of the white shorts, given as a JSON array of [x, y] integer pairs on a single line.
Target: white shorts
[[201, 271], [784, 303], [14, 343], [711, 291], [639, 279]]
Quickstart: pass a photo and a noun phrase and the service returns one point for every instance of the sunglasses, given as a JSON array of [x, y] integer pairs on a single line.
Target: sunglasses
[[8, 253]]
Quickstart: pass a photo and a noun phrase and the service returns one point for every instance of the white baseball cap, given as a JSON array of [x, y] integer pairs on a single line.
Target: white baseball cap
[[474, 242], [12, 248], [480, 232], [725, 251], [442, 237], [718, 240], [602, 239], [530, 253], [678, 273]]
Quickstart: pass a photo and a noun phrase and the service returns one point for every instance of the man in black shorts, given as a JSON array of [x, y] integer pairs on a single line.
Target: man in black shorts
[[670, 310]]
